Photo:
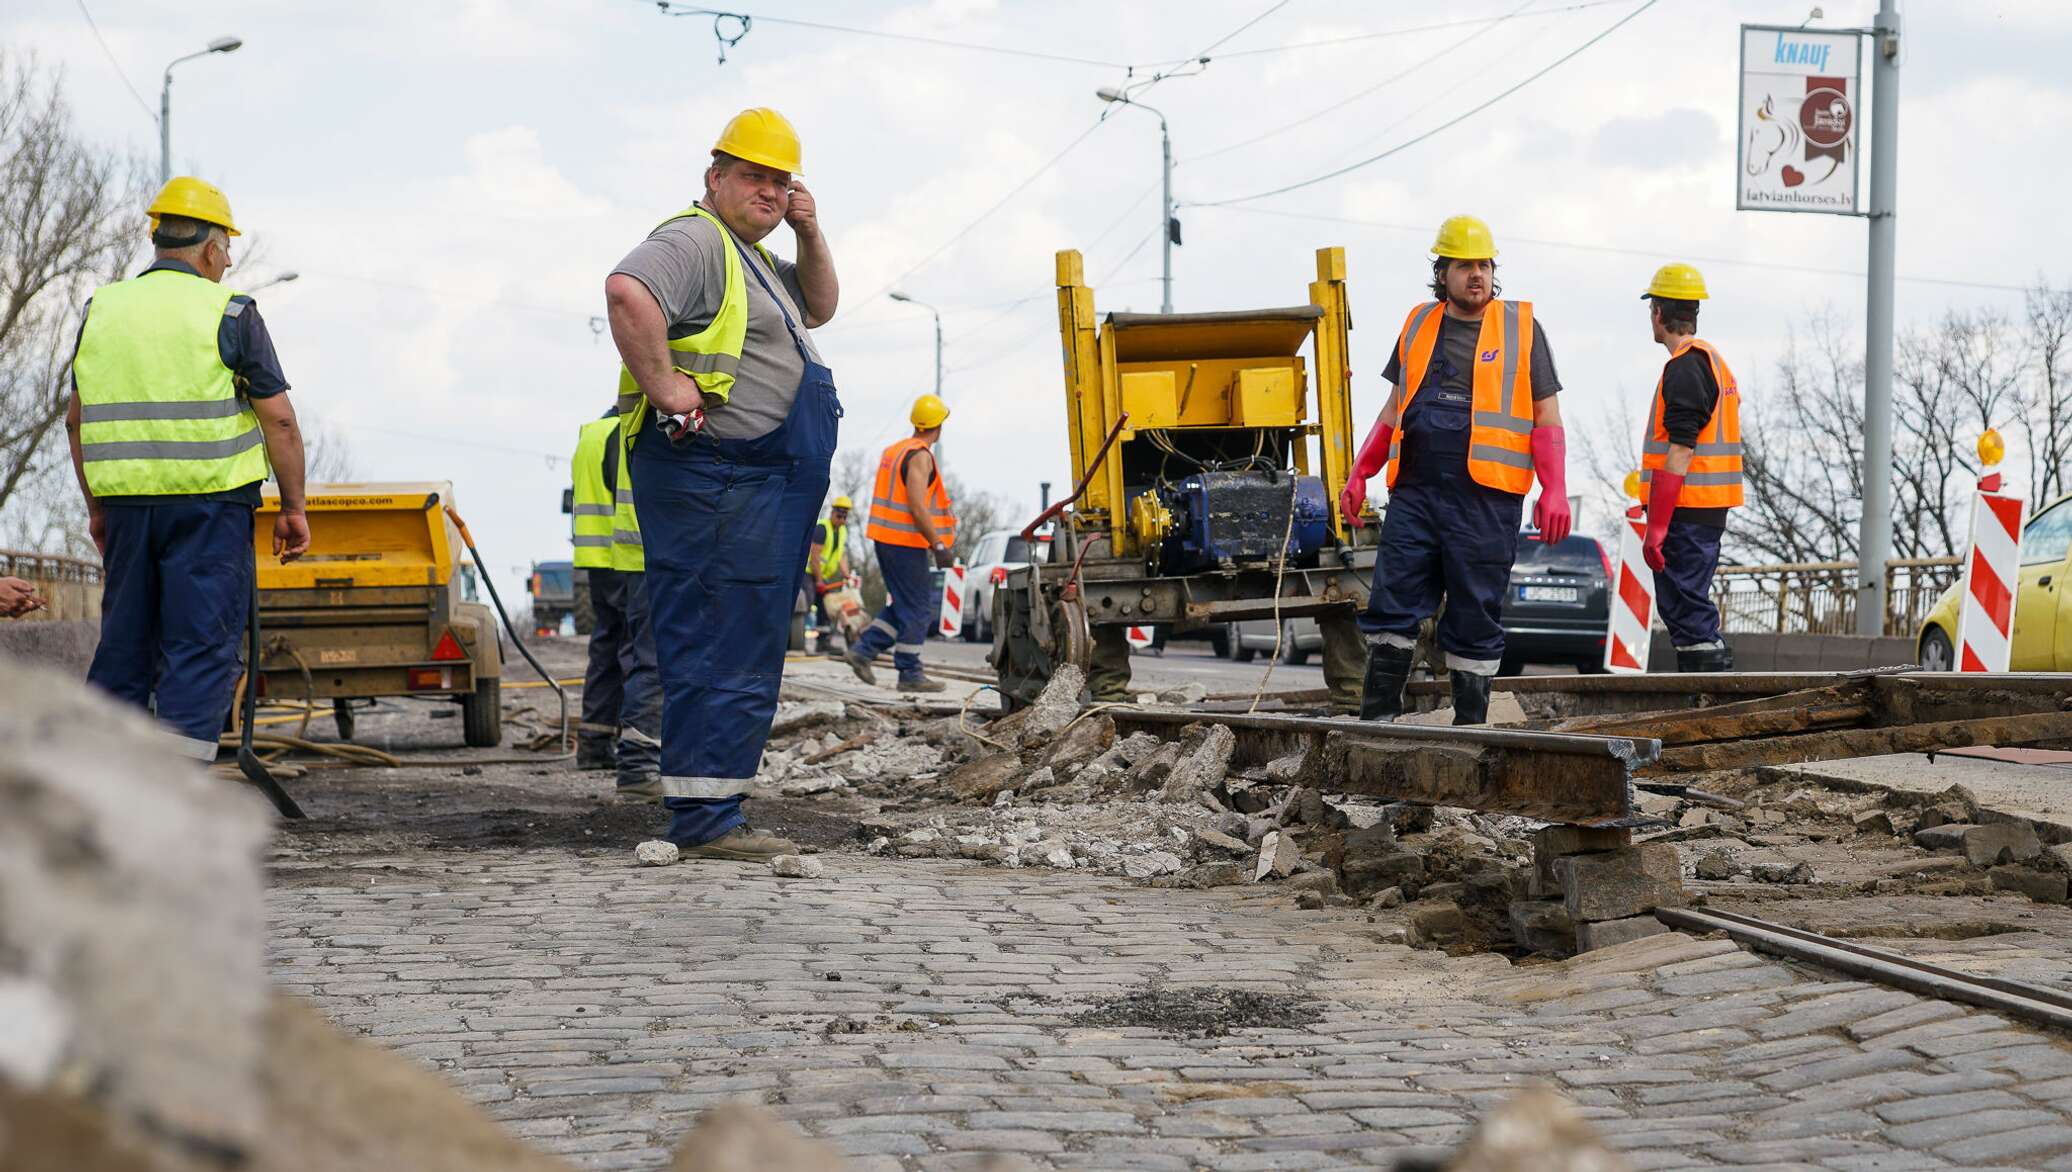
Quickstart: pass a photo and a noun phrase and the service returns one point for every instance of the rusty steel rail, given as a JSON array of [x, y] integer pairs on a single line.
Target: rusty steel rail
[[1557, 777], [2034, 1003]]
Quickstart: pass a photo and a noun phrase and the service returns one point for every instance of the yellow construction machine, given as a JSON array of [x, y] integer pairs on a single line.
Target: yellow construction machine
[[1207, 479]]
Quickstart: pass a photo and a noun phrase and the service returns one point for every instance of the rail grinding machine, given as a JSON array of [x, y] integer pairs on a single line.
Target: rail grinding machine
[[1207, 478]]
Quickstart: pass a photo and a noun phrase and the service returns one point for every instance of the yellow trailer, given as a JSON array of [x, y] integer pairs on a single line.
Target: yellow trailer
[[1210, 452], [378, 607]]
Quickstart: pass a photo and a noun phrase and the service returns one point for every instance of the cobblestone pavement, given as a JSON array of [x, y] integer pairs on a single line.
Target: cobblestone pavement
[[919, 1014]]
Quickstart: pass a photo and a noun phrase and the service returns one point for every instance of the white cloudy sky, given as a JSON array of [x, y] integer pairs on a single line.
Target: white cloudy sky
[[454, 178]]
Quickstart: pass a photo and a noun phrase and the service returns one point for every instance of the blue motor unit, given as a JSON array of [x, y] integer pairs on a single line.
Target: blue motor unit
[[1222, 518]]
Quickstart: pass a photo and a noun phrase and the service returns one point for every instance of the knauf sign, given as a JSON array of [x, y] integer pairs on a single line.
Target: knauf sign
[[1798, 123]]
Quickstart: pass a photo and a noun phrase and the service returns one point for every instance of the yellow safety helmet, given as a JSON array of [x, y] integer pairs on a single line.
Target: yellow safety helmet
[[184, 195], [929, 411], [1464, 238], [761, 135], [842, 502], [1677, 281]]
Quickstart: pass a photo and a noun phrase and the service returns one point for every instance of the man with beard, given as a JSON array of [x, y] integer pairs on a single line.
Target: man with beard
[[1473, 415]]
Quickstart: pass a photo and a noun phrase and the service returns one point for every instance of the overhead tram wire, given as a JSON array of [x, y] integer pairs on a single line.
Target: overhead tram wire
[[110, 54], [668, 8], [1411, 31], [1543, 71], [1614, 250], [1485, 27]]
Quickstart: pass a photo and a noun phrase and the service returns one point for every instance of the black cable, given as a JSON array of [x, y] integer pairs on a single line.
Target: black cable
[[96, 30], [1443, 126]]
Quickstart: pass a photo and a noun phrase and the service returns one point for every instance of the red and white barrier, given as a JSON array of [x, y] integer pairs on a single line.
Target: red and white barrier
[[1627, 641], [952, 625], [1139, 637], [1992, 575]]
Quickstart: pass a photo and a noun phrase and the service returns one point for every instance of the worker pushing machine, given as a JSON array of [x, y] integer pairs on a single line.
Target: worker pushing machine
[[1691, 464], [827, 564], [622, 690], [731, 418], [910, 522], [1472, 416], [179, 409]]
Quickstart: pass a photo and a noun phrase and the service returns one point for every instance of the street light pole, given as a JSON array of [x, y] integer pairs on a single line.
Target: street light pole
[[938, 335], [1165, 222], [165, 103], [1874, 540]]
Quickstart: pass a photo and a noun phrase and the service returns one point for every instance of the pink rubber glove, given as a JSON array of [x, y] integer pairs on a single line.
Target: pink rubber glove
[[1374, 454], [1550, 460], [1663, 488]]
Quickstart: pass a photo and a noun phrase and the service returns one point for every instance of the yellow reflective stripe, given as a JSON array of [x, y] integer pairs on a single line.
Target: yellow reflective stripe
[[129, 412], [171, 449]]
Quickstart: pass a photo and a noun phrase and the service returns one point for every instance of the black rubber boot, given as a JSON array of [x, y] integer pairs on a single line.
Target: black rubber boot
[[595, 753], [1470, 698], [1705, 659], [1689, 660], [1388, 669]]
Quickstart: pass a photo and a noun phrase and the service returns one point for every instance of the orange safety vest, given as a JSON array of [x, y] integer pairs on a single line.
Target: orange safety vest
[[892, 514], [1714, 479], [1500, 444]]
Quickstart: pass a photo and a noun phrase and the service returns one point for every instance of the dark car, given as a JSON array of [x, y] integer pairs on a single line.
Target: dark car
[[1557, 605]]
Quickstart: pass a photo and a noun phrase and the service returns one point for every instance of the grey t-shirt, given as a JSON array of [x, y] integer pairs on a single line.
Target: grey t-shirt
[[683, 264]]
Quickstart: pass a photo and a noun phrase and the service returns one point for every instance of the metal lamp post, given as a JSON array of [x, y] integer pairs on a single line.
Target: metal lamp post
[[938, 335], [165, 102], [1165, 223]]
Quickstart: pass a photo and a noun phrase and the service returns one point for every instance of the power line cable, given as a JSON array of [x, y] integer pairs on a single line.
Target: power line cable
[[670, 9], [96, 30], [1651, 254], [1412, 31], [1384, 83], [1443, 126]]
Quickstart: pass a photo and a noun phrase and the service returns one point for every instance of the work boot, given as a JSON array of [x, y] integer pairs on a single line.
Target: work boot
[[1470, 697], [1388, 669], [647, 789], [920, 683], [595, 754], [861, 666], [742, 843], [1704, 659]]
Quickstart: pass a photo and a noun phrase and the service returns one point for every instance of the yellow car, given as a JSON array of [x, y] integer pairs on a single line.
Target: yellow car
[[2042, 606]]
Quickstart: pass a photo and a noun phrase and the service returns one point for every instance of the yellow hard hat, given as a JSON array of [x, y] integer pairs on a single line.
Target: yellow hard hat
[[184, 195], [842, 502], [1678, 282], [929, 411], [761, 135], [1464, 238]]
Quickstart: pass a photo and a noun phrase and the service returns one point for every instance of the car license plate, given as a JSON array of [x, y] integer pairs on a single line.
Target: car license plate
[[1548, 594]]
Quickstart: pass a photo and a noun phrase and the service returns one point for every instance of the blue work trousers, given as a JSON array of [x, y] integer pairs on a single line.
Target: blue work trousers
[[1683, 586], [910, 608], [622, 689], [176, 593], [1453, 539]]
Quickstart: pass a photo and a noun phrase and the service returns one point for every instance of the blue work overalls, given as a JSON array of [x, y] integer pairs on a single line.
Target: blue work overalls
[[177, 591], [1683, 586], [727, 523], [1443, 535], [910, 609], [620, 689]]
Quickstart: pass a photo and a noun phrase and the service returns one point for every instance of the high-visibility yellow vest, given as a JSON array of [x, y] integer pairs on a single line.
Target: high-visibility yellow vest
[[629, 556], [159, 413], [1500, 442], [591, 525], [712, 355], [1714, 478], [831, 551], [892, 514]]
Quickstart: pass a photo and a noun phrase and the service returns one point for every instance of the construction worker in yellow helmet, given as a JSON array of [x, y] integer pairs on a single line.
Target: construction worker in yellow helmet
[[1690, 461], [1472, 417], [729, 419], [910, 524], [827, 566], [179, 411]]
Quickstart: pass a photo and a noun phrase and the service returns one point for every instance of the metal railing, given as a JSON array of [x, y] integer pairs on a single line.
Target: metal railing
[[1819, 598], [71, 587]]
